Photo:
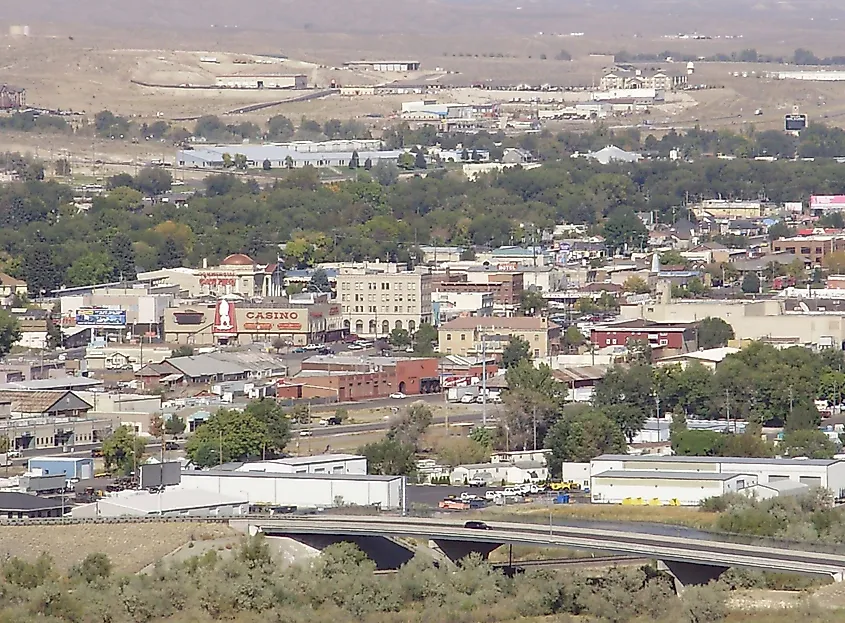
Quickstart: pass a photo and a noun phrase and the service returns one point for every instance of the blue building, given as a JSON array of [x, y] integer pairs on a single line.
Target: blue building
[[72, 467]]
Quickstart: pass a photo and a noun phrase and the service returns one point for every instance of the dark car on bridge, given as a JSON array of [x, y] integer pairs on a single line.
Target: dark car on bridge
[[477, 525]]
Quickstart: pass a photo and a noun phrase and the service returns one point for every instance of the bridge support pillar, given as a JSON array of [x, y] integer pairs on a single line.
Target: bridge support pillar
[[384, 551], [458, 550], [690, 573]]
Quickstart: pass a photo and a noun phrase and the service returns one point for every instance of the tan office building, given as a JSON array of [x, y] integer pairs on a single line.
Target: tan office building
[[375, 302], [464, 336]]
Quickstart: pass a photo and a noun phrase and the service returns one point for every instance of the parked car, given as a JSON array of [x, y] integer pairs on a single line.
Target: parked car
[[306, 433], [477, 525], [492, 495], [398, 396], [477, 482], [355, 347], [298, 350], [467, 399]]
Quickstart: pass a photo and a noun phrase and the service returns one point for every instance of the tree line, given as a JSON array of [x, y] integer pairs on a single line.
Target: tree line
[[248, 584]]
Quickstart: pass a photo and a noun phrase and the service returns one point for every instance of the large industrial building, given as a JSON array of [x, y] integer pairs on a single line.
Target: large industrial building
[[303, 490], [171, 502], [687, 480], [383, 65], [263, 81], [281, 156]]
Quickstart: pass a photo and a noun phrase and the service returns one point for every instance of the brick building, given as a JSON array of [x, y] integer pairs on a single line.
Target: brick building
[[811, 249], [506, 287], [680, 337]]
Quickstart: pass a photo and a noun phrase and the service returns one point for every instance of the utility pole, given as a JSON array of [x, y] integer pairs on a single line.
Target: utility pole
[[220, 449], [534, 419], [483, 381], [657, 412], [728, 407], [791, 400]]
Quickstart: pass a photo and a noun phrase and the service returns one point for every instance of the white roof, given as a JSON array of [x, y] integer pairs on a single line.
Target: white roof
[[713, 355], [783, 486], [170, 500]]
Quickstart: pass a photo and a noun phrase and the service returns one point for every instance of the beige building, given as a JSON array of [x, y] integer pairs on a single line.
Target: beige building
[[376, 299], [10, 286], [771, 319], [236, 322], [469, 336], [639, 79], [237, 274]]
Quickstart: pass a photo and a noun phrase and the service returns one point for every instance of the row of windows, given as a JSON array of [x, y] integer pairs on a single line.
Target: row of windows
[[385, 298], [384, 285], [464, 337], [385, 326], [375, 309]]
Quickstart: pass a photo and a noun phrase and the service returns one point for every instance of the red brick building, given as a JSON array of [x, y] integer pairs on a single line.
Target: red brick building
[[680, 337], [506, 287], [359, 378]]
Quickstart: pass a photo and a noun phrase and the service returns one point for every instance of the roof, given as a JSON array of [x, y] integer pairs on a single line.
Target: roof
[[219, 473], [581, 373], [611, 153], [64, 382], [636, 473], [61, 459], [204, 365], [782, 486], [8, 280], [237, 259], [11, 501], [644, 325], [505, 464], [309, 460], [172, 499], [519, 323], [714, 355], [31, 401], [718, 459], [259, 153]]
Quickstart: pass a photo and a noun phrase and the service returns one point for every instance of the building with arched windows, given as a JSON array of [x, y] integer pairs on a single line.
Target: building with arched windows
[[377, 298]]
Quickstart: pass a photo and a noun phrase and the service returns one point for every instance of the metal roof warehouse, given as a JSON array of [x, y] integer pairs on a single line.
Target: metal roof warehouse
[[279, 156]]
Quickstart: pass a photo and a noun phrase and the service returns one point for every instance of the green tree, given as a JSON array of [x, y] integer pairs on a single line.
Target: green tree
[[390, 457], [516, 351], [573, 338], [582, 435], [63, 167], [280, 129], [122, 258], [750, 283], [261, 429], [673, 258], [714, 332], [354, 161], [405, 161], [627, 397], [400, 338], [10, 332], [532, 303], [240, 161], [624, 231], [174, 426], [368, 164], [170, 254], [697, 443], [186, 350], [153, 181], [319, 282], [41, 273], [420, 161], [266, 165], [812, 444], [455, 451], [482, 436], [89, 269], [123, 451], [424, 340], [93, 568], [636, 285], [409, 427]]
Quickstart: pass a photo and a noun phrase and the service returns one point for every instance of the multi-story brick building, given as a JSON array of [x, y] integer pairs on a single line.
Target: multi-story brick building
[[812, 249], [377, 299]]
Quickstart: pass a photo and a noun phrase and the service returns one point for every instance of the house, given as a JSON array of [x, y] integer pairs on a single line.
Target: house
[[580, 381], [501, 473], [515, 155], [41, 403], [10, 286], [710, 358], [611, 153], [12, 98]]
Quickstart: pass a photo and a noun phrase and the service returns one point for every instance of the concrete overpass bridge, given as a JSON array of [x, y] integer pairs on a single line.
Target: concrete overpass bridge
[[692, 558]]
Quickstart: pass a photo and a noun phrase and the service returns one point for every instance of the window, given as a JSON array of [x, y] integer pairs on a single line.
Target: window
[[448, 337], [463, 337], [536, 352], [805, 250]]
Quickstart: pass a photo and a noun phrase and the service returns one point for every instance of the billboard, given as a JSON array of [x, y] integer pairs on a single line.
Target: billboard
[[158, 474], [275, 320], [225, 322], [100, 317], [794, 122], [827, 203]]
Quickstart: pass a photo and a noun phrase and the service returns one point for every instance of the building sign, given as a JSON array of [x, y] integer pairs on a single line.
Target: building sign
[[100, 317], [827, 203], [794, 122], [225, 322], [272, 315], [273, 321], [189, 317], [218, 279], [507, 266], [795, 207]]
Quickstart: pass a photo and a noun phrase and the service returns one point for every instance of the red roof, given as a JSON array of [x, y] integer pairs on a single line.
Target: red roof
[[237, 259]]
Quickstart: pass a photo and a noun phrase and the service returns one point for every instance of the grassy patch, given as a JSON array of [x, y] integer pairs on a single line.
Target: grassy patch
[[676, 515]]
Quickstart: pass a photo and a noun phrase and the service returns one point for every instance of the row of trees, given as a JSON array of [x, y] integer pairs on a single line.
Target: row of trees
[[250, 584]]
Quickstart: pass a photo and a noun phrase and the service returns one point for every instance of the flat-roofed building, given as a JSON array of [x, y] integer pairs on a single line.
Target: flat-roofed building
[[465, 336]]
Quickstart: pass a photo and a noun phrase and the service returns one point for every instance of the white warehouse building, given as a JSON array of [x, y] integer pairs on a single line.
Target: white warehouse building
[[664, 487], [302, 490], [317, 464], [281, 156], [829, 474]]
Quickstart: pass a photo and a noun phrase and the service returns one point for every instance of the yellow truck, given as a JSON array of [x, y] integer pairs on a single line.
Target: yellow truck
[[565, 486]]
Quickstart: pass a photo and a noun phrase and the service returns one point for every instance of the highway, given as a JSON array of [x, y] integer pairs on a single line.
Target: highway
[[710, 552]]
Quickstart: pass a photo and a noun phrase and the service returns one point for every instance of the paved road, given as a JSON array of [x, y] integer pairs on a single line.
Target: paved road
[[712, 552], [473, 416]]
